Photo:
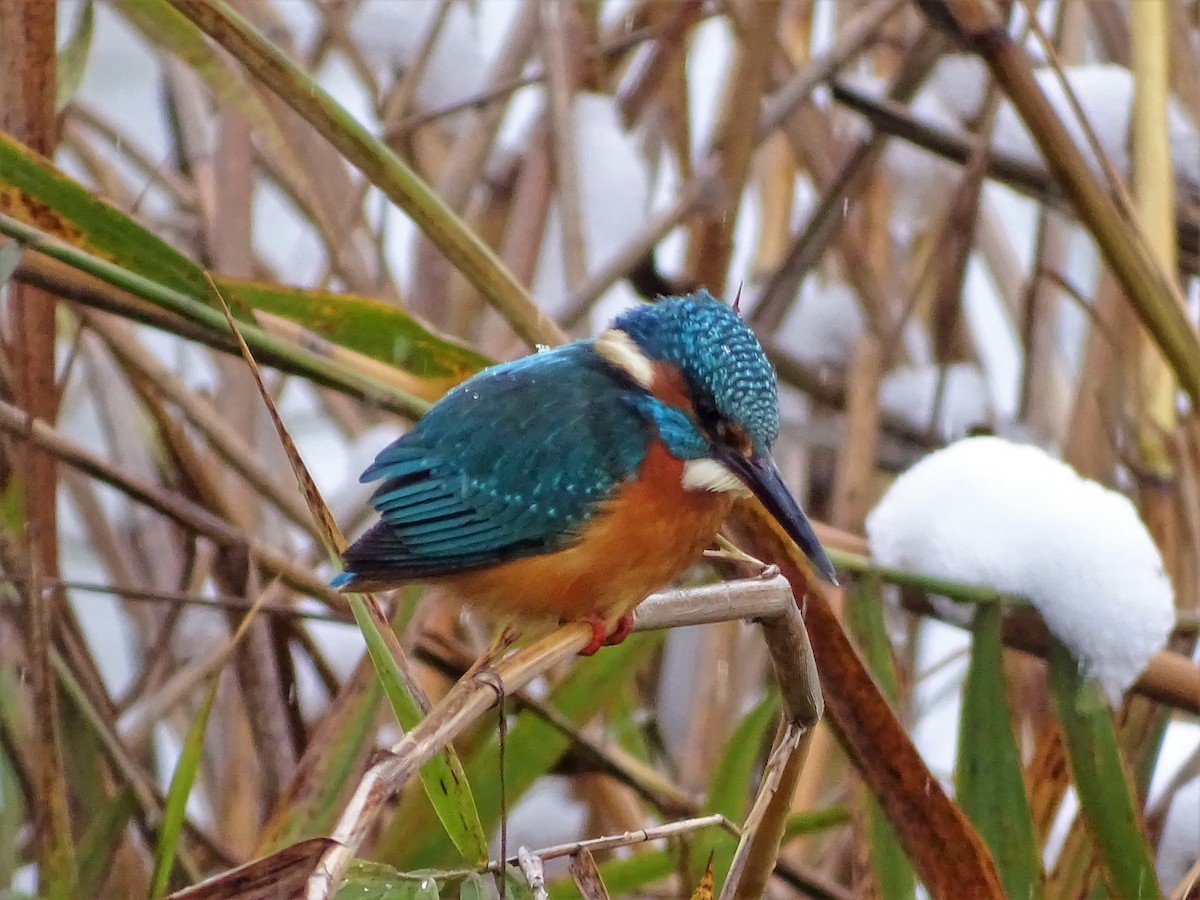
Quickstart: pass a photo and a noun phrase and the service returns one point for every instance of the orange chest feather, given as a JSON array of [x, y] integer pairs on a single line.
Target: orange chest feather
[[647, 534]]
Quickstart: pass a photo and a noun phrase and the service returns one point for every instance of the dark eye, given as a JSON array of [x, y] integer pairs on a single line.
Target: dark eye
[[708, 416]]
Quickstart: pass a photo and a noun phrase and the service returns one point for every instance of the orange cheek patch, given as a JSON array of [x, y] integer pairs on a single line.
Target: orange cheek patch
[[670, 387]]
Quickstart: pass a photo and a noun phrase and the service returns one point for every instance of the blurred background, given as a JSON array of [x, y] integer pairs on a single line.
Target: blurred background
[[915, 267]]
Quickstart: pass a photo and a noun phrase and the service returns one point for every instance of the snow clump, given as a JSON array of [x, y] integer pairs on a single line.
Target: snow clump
[[990, 512]]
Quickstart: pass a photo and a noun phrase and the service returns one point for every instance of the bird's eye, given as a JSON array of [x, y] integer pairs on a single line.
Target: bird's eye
[[731, 435]]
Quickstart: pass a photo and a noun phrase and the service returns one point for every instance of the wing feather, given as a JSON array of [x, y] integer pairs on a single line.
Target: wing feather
[[511, 463]]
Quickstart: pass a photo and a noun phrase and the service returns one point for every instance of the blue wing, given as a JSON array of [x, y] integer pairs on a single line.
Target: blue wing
[[511, 463]]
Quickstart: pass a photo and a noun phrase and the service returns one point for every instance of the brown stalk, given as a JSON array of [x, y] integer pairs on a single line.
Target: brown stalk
[[396, 104], [811, 137], [559, 33], [650, 70], [258, 680], [526, 227], [81, 119], [129, 772], [639, 246], [477, 691], [733, 143], [796, 671], [27, 92]]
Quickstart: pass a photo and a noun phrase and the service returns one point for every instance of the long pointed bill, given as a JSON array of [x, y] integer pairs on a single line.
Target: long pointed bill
[[761, 476]]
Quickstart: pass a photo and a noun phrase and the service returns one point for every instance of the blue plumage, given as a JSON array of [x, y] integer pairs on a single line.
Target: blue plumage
[[516, 462], [718, 355], [508, 464]]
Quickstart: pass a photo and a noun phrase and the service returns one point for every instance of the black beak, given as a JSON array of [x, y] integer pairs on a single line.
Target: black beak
[[761, 476]]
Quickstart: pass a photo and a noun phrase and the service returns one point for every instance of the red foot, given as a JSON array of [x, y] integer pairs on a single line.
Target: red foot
[[622, 630], [603, 638], [598, 636]]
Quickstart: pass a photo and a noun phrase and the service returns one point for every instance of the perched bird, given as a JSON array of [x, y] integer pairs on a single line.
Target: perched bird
[[573, 483]]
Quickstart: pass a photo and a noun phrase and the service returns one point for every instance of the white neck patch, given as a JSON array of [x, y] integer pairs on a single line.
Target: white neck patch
[[619, 349], [710, 475]]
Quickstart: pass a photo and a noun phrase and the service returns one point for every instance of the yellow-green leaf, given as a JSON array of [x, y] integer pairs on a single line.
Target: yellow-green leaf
[[177, 795]]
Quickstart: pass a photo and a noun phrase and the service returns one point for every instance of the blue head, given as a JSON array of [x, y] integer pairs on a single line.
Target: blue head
[[731, 385], [710, 391]]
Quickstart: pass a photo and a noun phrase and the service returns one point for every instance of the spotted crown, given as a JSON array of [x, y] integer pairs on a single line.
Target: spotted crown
[[719, 356]]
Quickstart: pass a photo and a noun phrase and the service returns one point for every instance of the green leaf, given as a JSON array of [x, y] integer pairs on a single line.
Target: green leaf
[[817, 820], [175, 808], [474, 888], [532, 746], [989, 783], [34, 192], [1107, 799], [13, 811], [380, 330], [374, 881], [73, 57], [729, 791], [864, 615], [446, 784], [270, 349]]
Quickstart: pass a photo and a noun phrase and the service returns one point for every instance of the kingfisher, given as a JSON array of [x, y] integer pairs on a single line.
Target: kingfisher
[[574, 482]]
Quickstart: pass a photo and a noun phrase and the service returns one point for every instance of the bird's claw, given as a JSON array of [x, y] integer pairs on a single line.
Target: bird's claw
[[621, 630], [602, 637]]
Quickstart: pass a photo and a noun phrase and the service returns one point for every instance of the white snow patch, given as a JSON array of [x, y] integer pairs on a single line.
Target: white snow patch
[[956, 394], [1180, 845], [990, 512], [823, 324]]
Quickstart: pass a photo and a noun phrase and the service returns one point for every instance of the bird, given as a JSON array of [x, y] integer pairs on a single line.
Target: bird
[[572, 483]]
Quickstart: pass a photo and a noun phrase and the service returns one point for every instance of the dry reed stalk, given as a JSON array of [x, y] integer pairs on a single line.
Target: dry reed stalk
[[27, 96], [560, 38]]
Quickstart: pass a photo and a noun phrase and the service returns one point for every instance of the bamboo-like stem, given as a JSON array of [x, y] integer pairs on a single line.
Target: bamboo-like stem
[[1154, 193]]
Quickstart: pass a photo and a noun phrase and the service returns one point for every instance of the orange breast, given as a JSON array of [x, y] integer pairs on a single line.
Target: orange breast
[[647, 535]]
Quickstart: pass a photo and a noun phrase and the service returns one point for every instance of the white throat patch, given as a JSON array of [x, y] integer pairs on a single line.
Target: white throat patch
[[619, 349], [710, 475]]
